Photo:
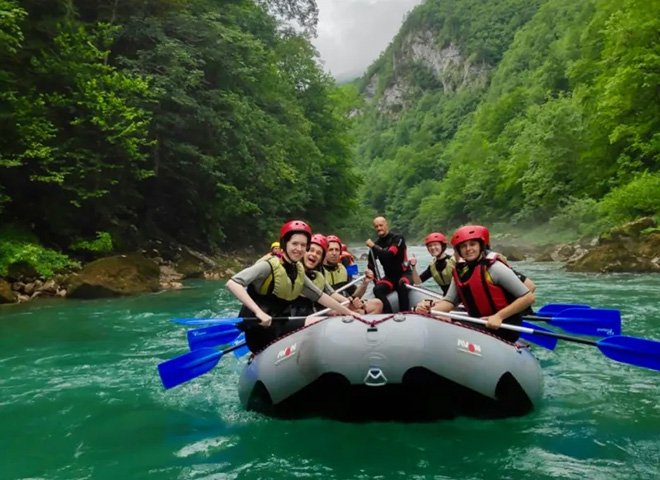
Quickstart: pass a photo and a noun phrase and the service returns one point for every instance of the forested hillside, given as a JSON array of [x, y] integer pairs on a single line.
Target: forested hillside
[[515, 112], [205, 121]]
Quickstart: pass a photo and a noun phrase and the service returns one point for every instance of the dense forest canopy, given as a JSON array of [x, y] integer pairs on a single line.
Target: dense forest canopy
[[206, 121], [209, 122], [557, 121]]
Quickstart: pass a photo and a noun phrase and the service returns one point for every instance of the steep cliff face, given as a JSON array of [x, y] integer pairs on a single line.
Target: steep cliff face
[[423, 86], [449, 67]]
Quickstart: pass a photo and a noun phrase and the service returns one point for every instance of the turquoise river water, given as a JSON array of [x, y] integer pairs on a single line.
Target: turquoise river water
[[80, 398]]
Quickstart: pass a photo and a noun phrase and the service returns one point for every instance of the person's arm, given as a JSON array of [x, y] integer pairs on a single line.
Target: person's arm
[[390, 252], [426, 274], [529, 284], [329, 302], [255, 274], [447, 304], [362, 289], [413, 265], [244, 297], [506, 278], [312, 292]]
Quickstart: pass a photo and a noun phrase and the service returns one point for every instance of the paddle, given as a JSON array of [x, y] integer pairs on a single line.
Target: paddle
[[243, 350], [552, 309], [373, 259], [191, 365], [227, 332], [578, 319], [640, 352], [212, 336], [235, 320], [550, 344], [596, 322]]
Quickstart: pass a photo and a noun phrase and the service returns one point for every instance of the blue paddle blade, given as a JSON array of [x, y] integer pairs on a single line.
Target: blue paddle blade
[[640, 352], [186, 367], [546, 342], [207, 321], [597, 322], [212, 336], [244, 350], [552, 309], [352, 269]]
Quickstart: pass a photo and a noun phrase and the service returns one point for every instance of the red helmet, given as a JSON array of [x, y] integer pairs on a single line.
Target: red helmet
[[486, 236], [470, 232], [334, 238], [321, 241], [344, 248], [435, 237], [294, 226]]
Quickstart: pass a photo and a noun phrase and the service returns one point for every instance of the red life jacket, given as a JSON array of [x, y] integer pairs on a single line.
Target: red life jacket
[[477, 292]]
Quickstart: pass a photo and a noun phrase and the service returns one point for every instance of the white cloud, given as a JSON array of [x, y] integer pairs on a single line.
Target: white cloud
[[353, 33]]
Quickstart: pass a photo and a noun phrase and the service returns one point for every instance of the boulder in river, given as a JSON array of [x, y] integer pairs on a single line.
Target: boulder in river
[[114, 276], [7, 295], [624, 248]]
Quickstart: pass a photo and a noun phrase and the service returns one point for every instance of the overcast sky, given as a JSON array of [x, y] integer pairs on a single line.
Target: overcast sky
[[352, 33]]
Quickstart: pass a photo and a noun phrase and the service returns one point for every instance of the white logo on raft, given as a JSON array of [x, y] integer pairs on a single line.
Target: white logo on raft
[[468, 347], [288, 352]]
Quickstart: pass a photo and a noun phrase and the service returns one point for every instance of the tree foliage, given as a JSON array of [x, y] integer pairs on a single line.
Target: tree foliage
[[207, 121], [565, 126]]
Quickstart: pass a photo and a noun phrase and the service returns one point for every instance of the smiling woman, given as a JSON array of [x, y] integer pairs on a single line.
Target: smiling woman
[[270, 286]]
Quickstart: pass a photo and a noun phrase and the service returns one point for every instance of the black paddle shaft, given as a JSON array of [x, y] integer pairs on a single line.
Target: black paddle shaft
[[560, 336]]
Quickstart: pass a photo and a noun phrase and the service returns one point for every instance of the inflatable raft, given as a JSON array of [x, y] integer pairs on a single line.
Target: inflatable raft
[[391, 367]]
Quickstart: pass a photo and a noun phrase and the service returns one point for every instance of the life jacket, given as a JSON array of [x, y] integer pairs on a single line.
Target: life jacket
[[337, 277], [317, 279], [277, 290], [477, 292], [443, 277], [302, 306], [346, 255]]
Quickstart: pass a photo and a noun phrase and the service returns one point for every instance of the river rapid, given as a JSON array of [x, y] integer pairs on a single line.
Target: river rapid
[[80, 398]]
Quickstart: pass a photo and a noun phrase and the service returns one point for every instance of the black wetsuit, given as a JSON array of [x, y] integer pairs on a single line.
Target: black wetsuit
[[392, 253]]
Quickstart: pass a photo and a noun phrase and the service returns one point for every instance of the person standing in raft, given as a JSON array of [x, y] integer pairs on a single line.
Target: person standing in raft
[[269, 286], [486, 285], [391, 250], [313, 262], [442, 265]]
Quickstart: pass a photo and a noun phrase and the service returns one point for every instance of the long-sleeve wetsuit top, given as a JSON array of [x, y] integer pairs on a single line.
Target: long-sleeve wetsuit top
[[392, 252]]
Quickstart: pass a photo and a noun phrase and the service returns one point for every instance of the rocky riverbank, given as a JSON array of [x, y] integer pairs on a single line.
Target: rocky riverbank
[[142, 271], [633, 247]]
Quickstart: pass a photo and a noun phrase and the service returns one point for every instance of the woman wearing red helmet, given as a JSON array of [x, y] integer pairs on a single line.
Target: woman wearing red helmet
[[267, 288], [441, 266], [485, 284], [313, 262]]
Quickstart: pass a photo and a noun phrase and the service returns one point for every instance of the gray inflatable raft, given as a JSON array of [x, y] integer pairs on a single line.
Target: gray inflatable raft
[[394, 367]]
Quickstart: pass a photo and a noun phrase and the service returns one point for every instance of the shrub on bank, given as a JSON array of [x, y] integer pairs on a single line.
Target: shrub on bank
[[17, 246]]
